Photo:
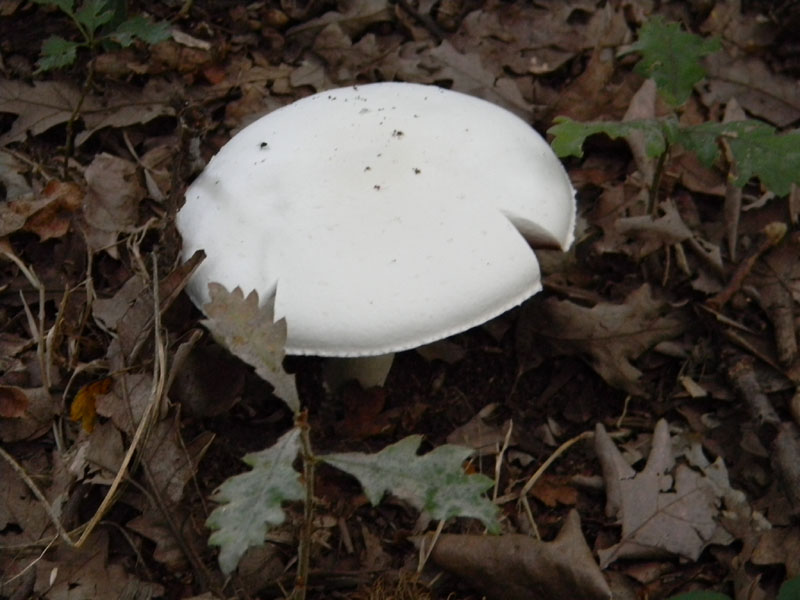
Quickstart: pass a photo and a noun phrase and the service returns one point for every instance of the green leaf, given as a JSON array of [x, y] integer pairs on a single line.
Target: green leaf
[[141, 28], [248, 331], [569, 136], [251, 503], [790, 590], [671, 57], [434, 482], [774, 159], [701, 596], [57, 53], [756, 149], [93, 14]]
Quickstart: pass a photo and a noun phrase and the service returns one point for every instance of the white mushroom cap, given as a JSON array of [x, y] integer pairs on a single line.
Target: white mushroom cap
[[383, 216]]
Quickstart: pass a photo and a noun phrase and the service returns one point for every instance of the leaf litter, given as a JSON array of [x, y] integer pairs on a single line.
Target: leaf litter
[[623, 328]]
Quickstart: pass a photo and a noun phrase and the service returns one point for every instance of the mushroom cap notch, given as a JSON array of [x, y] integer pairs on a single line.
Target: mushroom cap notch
[[383, 216]]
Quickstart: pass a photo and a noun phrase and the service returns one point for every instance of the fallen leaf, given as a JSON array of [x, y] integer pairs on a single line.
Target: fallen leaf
[[663, 509], [127, 105], [127, 400], [34, 422], [518, 567], [64, 199], [364, 413], [23, 519], [113, 194], [470, 76], [171, 462], [83, 405], [552, 490], [12, 178], [760, 92], [88, 573], [609, 335], [250, 332], [39, 107], [479, 433], [13, 402]]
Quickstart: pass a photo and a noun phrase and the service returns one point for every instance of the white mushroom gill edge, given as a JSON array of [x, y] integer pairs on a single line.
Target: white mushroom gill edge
[[383, 216]]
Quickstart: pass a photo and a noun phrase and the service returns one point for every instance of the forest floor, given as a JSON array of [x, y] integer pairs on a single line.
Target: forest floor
[[672, 328]]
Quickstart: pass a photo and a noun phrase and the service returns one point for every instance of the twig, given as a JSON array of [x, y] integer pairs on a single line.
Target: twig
[[304, 549], [19, 470], [773, 234], [498, 462], [523, 495], [424, 551]]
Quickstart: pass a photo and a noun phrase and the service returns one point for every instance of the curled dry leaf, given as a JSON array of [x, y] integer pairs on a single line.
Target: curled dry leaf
[[609, 335], [518, 567]]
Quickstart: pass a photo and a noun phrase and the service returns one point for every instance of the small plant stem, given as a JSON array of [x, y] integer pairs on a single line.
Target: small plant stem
[[656, 183], [304, 549], [69, 144]]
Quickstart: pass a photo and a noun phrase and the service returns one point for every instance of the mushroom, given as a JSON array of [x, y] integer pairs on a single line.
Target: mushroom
[[382, 217]]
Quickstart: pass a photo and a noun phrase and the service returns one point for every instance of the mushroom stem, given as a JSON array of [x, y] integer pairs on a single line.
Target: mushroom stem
[[369, 371]]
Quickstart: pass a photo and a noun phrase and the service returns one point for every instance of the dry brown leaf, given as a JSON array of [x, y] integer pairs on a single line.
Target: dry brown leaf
[[53, 220], [152, 525], [126, 402], [34, 422], [87, 574], [552, 490], [130, 310], [470, 76], [22, 517], [771, 97], [478, 433], [105, 452], [171, 462], [779, 546], [113, 195], [353, 17], [39, 107], [83, 405], [250, 332], [12, 178], [125, 106], [13, 402], [663, 509], [609, 335], [778, 287], [518, 567]]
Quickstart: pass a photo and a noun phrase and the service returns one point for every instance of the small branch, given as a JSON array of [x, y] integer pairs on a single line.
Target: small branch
[[772, 235], [304, 549]]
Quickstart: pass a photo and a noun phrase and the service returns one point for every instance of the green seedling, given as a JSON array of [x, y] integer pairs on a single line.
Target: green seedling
[[790, 590], [672, 58], [95, 21], [252, 503]]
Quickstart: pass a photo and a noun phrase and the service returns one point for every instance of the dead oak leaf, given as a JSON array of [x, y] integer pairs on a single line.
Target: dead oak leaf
[[608, 335], [470, 76], [517, 567], [663, 509], [38, 107], [250, 332]]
